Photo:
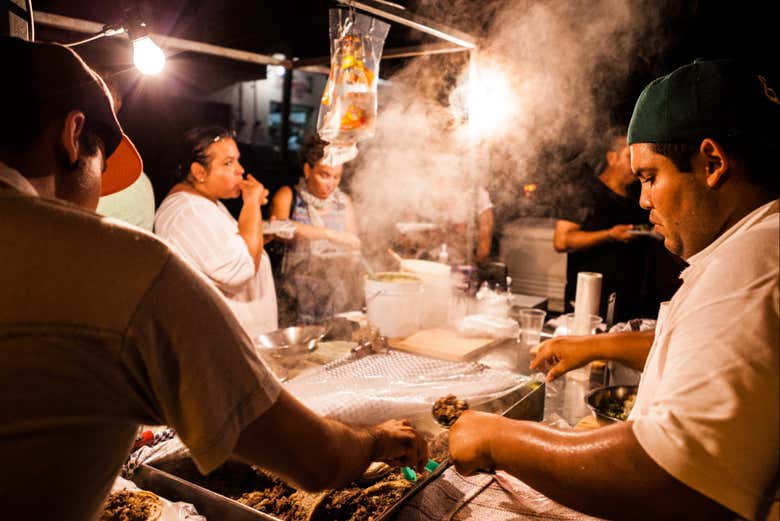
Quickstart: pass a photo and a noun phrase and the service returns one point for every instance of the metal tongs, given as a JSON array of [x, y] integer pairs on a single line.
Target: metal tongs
[[370, 342]]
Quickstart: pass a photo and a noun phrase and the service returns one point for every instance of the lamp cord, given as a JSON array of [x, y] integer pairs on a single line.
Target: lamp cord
[[108, 30]]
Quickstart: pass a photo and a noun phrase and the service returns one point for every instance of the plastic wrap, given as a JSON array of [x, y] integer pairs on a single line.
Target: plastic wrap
[[394, 385], [349, 102], [487, 325]]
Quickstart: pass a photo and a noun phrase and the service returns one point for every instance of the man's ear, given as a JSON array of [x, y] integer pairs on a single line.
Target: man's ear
[[612, 157], [72, 129], [306, 170], [716, 162]]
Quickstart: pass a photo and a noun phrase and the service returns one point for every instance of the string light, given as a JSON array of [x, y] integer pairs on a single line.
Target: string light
[[147, 56]]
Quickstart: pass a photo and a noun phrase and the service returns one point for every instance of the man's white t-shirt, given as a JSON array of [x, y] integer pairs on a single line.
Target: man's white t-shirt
[[708, 401]]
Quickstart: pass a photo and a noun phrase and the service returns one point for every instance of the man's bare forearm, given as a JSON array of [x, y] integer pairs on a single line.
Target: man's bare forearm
[[313, 452], [579, 240], [604, 472], [629, 348]]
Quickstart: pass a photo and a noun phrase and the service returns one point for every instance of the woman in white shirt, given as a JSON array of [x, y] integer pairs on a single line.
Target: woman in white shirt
[[199, 227]]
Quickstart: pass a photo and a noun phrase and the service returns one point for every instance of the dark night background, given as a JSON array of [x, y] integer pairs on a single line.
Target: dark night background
[[157, 110]]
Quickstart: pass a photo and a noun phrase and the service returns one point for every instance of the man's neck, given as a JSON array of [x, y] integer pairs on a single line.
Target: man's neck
[[612, 181], [43, 184]]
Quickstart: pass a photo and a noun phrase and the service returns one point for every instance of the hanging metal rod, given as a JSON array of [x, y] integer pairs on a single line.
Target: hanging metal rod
[[169, 43], [403, 17]]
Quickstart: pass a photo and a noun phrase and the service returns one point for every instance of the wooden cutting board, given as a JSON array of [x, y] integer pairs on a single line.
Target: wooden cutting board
[[443, 344]]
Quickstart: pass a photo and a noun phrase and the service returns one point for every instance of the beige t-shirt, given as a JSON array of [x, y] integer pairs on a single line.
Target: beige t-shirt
[[102, 328], [706, 410]]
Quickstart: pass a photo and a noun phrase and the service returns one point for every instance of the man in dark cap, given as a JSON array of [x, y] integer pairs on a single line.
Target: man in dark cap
[[701, 441], [103, 328]]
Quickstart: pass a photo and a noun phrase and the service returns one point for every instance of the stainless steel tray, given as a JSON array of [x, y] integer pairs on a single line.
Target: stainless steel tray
[[210, 504], [526, 403]]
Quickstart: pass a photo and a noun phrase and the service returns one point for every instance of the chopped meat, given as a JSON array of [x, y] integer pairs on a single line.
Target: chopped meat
[[447, 410], [361, 504], [439, 447], [262, 491]]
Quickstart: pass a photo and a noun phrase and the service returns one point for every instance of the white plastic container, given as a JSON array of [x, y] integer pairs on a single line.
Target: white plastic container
[[437, 290], [570, 324], [393, 303]]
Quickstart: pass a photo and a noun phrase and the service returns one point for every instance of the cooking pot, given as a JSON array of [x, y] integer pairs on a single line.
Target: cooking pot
[[393, 302], [437, 290]]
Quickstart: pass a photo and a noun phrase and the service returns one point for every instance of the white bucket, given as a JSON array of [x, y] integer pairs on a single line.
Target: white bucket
[[393, 302], [437, 290]]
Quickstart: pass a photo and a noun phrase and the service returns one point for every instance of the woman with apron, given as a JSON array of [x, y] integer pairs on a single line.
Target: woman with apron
[[321, 267]]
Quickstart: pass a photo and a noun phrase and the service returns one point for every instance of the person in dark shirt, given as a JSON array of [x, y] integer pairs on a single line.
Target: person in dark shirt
[[600, 235]]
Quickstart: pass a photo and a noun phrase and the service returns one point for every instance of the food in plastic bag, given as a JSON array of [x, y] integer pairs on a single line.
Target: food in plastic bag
[[127, 502], [349, 103], [132, 505]]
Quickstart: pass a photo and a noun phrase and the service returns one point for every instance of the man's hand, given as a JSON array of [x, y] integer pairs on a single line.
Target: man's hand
[[398, 443], [562, 354], [469, 442], [620, 232], [253, 192]]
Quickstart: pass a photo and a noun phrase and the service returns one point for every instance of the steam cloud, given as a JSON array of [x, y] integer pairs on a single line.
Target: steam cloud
[[558, 59]]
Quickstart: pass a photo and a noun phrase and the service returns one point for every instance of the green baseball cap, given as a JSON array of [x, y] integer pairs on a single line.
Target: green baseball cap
[[707, 98]]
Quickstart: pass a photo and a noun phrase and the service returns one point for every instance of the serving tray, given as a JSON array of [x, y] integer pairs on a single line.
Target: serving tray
[[525, 402]]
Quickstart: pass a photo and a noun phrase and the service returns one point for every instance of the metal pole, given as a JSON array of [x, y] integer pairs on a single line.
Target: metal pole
[[404, 17], [169, 43], [286, 97], [471, 166], [15, 16]]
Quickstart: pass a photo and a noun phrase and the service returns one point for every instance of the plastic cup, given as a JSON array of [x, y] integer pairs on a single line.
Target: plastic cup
[[531, 324], [568, 325]]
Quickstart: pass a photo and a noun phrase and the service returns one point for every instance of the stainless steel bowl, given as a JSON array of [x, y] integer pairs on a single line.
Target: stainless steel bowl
[[294, 340], [600, 400]]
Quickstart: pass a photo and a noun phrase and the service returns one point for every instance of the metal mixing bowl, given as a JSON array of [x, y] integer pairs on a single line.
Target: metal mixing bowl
[[294, 340], [599, 400]]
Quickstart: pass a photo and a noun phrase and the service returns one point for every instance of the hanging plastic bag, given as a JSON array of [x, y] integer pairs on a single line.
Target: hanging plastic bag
[[349, 103]]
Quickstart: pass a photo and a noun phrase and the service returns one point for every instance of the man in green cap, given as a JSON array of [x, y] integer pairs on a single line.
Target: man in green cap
[[701, 441]]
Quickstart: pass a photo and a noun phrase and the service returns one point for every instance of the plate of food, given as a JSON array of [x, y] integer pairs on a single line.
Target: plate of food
[[613, 403], [283, 228], [645, 229], [409, 227]]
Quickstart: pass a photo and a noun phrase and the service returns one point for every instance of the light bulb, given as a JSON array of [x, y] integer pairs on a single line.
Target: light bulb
[[276, 70], [147, 56]]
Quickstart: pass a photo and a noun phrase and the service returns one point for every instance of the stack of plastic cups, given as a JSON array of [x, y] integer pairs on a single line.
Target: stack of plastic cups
[[586, 304], [585, 307]]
